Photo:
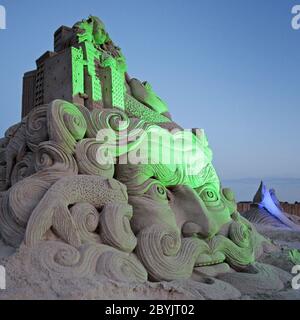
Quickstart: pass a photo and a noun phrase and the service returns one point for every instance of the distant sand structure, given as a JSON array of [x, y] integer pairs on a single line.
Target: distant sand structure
[[291, 208], [266, 209]]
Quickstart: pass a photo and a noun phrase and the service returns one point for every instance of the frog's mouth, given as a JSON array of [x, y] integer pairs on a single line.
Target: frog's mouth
[[208, 255], [209, 259], [221, 249]]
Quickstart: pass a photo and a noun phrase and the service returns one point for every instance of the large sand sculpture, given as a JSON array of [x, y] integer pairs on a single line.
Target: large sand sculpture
[[79, 220]]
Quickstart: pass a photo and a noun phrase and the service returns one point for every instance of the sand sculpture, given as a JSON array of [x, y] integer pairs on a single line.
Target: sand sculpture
[[131, 223], [267, 210]]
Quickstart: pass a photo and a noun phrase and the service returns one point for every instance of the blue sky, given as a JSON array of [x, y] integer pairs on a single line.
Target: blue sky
[[228, 66]]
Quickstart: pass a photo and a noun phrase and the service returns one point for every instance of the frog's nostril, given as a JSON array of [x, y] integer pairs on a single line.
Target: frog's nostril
[[209, 281]]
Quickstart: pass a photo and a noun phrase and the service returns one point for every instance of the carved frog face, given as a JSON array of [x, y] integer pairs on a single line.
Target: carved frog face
[[202, 212]]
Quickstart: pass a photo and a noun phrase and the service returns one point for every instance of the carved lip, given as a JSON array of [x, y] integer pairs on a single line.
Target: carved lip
[[210, 259], [207, 264]]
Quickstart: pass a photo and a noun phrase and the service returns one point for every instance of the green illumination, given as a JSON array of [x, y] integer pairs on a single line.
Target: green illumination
[[77, 71], [139, 110], [106, 67], [294, 256], [97, 47], [93, 31], [144, 93], [87, 34], [118, 93], [93, 54]]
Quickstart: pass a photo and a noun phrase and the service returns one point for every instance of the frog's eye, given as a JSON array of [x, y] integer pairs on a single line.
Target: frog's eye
[[159, 191], [209, 195]]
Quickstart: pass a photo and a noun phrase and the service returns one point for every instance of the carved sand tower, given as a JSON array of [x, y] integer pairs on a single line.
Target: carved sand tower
[[130, 222]]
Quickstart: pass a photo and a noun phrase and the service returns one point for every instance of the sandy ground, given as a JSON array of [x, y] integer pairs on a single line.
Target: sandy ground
[[272, 280]]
